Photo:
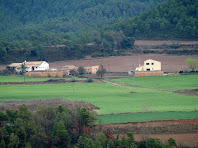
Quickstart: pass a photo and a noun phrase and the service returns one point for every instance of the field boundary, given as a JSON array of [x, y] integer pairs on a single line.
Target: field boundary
[[45, 82]]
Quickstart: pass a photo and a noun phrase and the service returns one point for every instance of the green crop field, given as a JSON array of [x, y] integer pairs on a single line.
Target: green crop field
[[164, 82], [110, 99], [149, 116], [117, 99]]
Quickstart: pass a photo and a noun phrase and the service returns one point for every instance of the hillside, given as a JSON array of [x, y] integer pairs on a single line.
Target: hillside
[[21, 18], [173, 19], [32, 30]]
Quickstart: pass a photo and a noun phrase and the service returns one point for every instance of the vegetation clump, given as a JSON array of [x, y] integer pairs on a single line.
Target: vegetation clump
[[89, 80], [61, 127], [192, 64], [73, 80], [101, 71]]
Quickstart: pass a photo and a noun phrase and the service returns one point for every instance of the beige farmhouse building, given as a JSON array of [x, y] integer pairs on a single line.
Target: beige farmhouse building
[[91, 69], [150, 65], [150, 68], [88, 69]]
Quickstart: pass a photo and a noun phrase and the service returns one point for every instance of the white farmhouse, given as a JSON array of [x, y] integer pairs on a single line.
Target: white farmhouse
[[30, 66]]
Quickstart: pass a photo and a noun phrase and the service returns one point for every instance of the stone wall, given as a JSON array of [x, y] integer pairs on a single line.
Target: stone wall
[[148, 73]]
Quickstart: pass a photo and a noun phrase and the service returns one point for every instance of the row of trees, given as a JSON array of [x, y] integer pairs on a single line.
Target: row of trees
[[52, 48], [62, 127]]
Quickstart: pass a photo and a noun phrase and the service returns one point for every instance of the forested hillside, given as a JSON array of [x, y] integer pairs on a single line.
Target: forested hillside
[[21, 18], [32, 29], [174, 19]]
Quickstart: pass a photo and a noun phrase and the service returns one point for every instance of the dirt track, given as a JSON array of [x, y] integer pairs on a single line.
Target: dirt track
[[124, 63]]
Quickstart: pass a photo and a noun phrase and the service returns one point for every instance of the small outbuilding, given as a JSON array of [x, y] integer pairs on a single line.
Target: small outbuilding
[[91, 69], [88, 69]]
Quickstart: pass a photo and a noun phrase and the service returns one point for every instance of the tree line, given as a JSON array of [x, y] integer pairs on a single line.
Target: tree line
[[59, 127], [49, 47]]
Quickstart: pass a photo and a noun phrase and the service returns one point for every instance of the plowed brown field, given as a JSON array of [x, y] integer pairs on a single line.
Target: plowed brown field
[[170, 63]]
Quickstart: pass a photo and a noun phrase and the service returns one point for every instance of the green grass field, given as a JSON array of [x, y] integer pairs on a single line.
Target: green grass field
[[142, 117], [110, 99], [164, 82], [117, 99]]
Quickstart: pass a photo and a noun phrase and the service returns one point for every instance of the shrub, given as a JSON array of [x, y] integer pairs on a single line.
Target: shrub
[[89, 80], [172, 142], [153, 143], [81, 70], [73, 80], [5, 72], [192, 64]]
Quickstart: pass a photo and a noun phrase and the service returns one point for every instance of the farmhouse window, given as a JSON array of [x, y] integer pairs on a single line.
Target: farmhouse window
[[148, 69], [147, 63]]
